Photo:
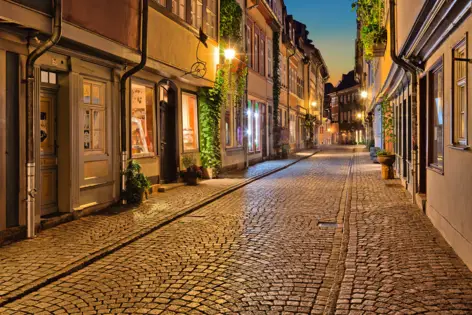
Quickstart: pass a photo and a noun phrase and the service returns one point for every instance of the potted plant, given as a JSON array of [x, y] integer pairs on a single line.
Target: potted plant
[[385, 157], [137, 185], [193, 172]]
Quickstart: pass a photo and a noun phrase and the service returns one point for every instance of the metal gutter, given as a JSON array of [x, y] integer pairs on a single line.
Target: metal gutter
[[30, 141], [144, 45]]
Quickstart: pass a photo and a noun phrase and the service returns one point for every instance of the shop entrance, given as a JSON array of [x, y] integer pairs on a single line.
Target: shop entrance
[[48, 151], [168, 131]]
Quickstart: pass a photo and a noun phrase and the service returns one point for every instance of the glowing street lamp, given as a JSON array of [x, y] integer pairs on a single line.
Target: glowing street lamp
[[314, 104], [359, 115], [230, 54], [364, 94]]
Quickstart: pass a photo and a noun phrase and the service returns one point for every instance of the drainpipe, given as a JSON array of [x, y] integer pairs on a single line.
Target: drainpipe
[[288, 87], [414, 82], [124, 154], [30, 141], [245, 101]]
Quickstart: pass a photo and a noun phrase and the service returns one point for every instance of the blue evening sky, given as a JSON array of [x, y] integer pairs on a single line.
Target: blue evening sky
[[332, 27]]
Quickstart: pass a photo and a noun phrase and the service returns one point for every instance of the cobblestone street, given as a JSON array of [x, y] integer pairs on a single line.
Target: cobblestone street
[[280, 245]]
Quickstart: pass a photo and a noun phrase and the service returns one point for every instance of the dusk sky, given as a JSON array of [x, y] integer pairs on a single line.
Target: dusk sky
[[332, 26]]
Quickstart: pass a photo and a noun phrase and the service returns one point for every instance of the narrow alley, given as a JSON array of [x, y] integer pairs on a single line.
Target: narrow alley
[[323, 236]]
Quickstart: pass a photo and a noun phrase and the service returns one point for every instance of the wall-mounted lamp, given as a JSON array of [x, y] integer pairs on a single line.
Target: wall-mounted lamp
[[364, 94], [230, 54]]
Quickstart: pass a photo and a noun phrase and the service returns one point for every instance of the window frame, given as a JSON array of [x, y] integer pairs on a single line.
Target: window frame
[[197, 104], [437, 67], [455, 139], [102, 107]]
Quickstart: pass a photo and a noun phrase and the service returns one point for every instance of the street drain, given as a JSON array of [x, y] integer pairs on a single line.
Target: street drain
[[394, 185], [331, 225]]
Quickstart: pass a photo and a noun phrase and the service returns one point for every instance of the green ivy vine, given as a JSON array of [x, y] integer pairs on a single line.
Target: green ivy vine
[[277, 85], [228, 80], [370, 13], [388, 125]]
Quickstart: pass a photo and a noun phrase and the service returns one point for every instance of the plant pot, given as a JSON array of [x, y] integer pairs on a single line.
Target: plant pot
[[378, 50], [191, 178], [208, 173], [387, 162]]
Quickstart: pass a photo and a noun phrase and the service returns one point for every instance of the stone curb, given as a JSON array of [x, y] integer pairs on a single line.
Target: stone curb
[[110, 249]]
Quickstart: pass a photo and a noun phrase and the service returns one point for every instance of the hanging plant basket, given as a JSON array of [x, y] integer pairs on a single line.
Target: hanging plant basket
[[378, 50]]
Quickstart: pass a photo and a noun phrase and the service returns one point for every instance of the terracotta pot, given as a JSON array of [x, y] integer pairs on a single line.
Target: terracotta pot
[[208, 173], [379, 49], [387, 160]]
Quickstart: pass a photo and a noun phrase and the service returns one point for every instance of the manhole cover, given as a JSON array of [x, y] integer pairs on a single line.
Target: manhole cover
[[332, 225], [394, 185]]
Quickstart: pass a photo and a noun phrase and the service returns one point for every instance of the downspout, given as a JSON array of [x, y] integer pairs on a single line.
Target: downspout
[[414, 82], [144, 44], [245, 101], [30, 140], [288, 86]]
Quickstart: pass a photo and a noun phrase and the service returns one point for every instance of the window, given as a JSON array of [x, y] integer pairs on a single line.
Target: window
[[250, 127], [270, 58], [211, 18], [292, 127], [436, 132], [459, 110], [48, 77], [178, 8], [142, 120], [262, 55], [196, 13], [162, 2], [94, 116], [189, 122], [257, 127], [233, 123], [256, 50], [249, 43]]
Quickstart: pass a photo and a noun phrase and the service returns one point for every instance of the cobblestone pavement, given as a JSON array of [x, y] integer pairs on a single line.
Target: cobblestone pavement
[[260, 250], [397, 262], [27, 263], [257, 249]]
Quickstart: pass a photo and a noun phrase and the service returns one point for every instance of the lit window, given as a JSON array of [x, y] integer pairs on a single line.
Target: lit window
[[256, 51], [48, 77], [142, 120], [94, 116], [436, 130], [292, 127], [190, 121], [257, 127], [250, 126]]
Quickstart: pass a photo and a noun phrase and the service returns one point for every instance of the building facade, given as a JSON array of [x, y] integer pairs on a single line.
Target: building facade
[[422, 75], [86, 124]]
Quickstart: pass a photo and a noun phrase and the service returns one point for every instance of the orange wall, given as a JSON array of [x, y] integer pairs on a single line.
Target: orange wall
[[118, 20]]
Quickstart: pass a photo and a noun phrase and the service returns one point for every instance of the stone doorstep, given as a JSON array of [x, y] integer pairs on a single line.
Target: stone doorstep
[[132, 237], [166, 187]]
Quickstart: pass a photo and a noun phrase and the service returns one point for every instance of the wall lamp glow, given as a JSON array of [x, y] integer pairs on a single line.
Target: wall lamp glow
[[314, 104], [364, 94], [230, 54]]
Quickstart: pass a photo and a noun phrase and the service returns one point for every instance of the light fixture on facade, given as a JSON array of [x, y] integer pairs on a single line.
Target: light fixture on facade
[[364, 94], [329, 129], [314, 104], [230, 54], [359, 115]]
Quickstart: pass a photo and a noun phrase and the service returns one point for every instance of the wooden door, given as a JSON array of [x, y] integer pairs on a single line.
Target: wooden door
[[168, 152], [48, 153]]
